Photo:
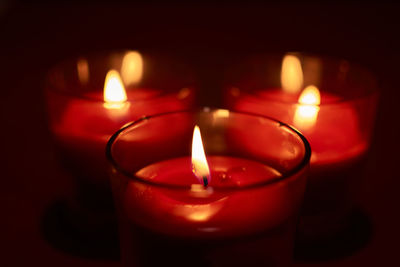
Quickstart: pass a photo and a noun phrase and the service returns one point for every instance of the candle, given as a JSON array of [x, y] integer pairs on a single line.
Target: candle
[[332, 130], [218, 209], [88, 101], [83, 117], [87, 123], [208, 216], [337, 132]]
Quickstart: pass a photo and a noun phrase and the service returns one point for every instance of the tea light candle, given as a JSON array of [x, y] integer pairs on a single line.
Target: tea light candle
[[82, 118], [88, 100], [203, 212], [333, 130], [87, 123], [218, 208], [338, 135]]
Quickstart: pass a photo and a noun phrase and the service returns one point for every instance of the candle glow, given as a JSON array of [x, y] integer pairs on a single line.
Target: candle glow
[[83, 70], [291, 74], [114, 91], [132, 68], [199, 162], [307, 112]]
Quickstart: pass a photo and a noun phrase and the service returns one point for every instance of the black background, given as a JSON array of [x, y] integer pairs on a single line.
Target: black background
[[208, 36]]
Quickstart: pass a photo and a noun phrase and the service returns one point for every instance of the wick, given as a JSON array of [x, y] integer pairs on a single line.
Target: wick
[[205, 181]]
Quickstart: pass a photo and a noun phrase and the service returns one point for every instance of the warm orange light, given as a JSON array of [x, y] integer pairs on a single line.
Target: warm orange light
[[83, 70], [183, 93], [221, 113], [114, 91], [199, 212], [291, 74], [132, 68], [199, 161], [307, 112], [310, 96]]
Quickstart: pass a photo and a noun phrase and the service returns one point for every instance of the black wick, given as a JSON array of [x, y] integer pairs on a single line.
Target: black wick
[[205, 181]]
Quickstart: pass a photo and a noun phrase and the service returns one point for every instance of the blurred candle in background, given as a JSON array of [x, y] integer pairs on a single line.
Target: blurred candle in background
[[90, 98], [333, 104]]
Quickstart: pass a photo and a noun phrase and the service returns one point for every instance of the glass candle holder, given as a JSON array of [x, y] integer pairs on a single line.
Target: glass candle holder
[[244, 215], [333, 103], [91, 97]]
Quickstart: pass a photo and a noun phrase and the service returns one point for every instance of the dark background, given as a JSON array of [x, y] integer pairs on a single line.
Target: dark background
[[208, 36]]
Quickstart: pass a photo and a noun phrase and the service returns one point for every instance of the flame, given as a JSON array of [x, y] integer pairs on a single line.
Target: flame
[[291, 74], [83, 70], [307, 112], [199, 161], [132, 68], [114, 91]]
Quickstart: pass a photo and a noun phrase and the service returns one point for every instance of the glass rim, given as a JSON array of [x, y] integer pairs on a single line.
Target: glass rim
[[59, 66], [298, 168], [372, 92]]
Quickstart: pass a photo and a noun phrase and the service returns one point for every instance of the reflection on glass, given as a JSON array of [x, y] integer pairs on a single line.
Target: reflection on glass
[[83, 70], [291, 74], [132, 68]]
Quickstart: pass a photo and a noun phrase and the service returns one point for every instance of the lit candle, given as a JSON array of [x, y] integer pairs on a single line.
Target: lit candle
[[332, 126], [203, 209], [210, 217], [82, 124], [332, 129], [88, 100]]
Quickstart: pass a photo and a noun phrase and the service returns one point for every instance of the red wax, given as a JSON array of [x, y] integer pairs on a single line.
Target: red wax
[[208, 212], [335, 138], [338, 148], [84, 125]]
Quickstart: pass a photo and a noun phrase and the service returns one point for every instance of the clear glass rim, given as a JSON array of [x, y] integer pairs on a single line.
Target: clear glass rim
[[298, 168], [372, 92], [51, 87]]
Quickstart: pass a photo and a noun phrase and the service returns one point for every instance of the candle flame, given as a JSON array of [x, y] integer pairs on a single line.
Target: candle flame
[[307, 112], [291, 74], [199, 161], [114, 91], [132, 68]]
